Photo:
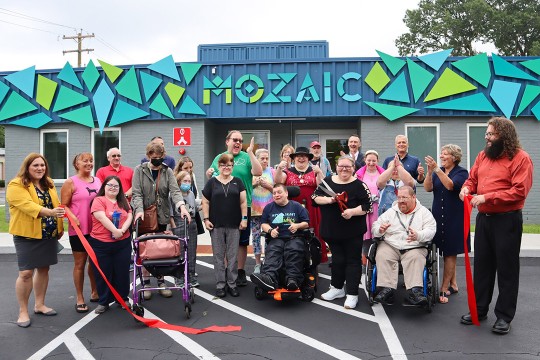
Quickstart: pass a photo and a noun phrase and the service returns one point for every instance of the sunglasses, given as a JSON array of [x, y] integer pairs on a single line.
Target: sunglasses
[[240, 141]]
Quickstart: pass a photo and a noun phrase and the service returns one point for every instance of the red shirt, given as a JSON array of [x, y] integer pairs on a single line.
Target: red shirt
[[124, 173], [99, 232], [504, 183]]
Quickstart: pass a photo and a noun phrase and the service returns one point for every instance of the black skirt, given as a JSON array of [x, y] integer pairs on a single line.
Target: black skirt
[[35, 253]]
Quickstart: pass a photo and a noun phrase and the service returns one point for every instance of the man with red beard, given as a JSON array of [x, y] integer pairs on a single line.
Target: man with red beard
[[500, 181], [245, 167]]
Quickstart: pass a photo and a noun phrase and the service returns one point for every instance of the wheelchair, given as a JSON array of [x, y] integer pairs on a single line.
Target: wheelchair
[[430, 275], [308, 288]]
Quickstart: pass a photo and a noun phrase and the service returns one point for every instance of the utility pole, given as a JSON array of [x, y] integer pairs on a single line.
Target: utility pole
[[79, 50]]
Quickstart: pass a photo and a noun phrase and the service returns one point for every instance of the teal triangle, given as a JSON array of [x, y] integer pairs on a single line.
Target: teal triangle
[[208, 84], [190, 70], [124, 112], [24, 80], [90, 75], [34, 121], [189, 106], [68, 75], [287, 77], [81, 116], [67, 98], [15, 105], [270, 99], [536, 111], [504, 68], [531, 92], [397, 91], [476, 102], [476, 67], [129, 86], [393, 64], [533, 65], [436, 59], [161, 107], [150, 84], [391, 112], [3, 91], [505, 93], [103, 100], [420, 78], [167, 67], [307, 82]]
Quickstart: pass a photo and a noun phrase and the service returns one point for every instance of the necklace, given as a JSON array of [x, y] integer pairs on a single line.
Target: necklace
[[227, 190], [301, 175]]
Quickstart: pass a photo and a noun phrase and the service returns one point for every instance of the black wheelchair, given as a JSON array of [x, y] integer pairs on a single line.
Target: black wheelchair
[[308, 288], [430, 275]]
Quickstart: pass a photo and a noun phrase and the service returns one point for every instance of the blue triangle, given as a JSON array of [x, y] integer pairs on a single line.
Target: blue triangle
[[436, 59], [536, 111], [189, 106], [103, 100], [505, 94], [24, 80], [397, 91], [167, 67], [68, 75], [3, 91], [476, 102], [124, 112], [34, 121], [504, 68], [150, 84]]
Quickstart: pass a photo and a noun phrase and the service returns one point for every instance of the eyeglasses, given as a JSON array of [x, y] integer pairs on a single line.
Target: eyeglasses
[[403, 198], [112, 186], [228, 166], [116, 155], [236, 140], [490, 134], [344, 167]]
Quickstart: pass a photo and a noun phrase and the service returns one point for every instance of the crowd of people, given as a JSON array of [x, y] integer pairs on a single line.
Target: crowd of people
[[244, 196]]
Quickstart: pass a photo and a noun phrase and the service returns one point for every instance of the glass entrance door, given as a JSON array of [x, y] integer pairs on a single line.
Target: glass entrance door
[[332, 142]]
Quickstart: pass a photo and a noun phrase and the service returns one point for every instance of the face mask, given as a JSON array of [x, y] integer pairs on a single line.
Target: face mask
[[185, 187], [156, 162]]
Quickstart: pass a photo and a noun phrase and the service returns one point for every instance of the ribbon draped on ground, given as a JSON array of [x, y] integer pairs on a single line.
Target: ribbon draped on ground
[[153, 323], [471, 296]]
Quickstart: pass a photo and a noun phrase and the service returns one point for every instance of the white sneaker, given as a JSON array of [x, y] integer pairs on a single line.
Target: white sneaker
[[147, 294], [167, 293], [333, 293], [257, 269], [351, 301]]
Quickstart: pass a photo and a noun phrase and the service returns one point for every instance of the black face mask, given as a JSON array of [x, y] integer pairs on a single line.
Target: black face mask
[[156, 162]]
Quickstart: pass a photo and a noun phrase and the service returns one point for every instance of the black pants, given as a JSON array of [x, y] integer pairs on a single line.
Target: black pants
[[497, 243], [287, 253], [346, 263]]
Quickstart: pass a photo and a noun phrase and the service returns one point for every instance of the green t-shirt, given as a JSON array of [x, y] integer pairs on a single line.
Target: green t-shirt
[[241, 169]]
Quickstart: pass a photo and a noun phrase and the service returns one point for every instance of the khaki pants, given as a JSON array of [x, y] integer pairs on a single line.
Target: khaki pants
[[412, 261]]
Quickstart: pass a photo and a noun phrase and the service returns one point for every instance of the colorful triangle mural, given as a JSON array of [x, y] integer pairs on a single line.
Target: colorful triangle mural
[[420, 79], [68, 75], [161, 107], [24, 80], [392, 63], [124, 112], [15, 105], [531, 92], [190, 70], [476, 67], [167, 67], [391, 112], [81, 116], [189, 106], [504, 68], [129, 86], [46, 89], [436, 59], [112, 72], [150, 84], [68, 98], [476, 102], [35, 121], [449, 84], [377, 78], [90, 75], [505, 94], [397, 91]]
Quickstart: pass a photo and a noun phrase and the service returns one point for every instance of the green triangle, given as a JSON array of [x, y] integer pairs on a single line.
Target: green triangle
[[502, 67], [68, 75], [111, 71], [15, 105], [533, 65], [391, 112], [35, 121], [129, 86], [45, 91], [476, 102], [67, 98], [449, 84], [392, 63], [4, 89], [530, 93], [124, 112], [90, 75], [81, 116], [190, 70], [420, 78], [476, 67], [175, 92], [189, 106], [161, 107], [377, 78]]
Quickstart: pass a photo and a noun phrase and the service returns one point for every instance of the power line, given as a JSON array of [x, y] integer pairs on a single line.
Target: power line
[[28, 27], [101, 40], [32, 18]]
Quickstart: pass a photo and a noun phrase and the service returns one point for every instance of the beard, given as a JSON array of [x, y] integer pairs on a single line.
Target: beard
[[495, 150]]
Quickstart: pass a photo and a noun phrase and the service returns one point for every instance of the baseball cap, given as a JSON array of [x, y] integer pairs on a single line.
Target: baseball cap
[[314, 143]]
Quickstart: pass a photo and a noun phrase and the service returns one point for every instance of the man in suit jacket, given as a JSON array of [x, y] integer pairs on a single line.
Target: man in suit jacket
[[354, 145]]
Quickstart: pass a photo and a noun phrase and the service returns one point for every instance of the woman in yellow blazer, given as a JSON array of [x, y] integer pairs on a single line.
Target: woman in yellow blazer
[[36, 225]]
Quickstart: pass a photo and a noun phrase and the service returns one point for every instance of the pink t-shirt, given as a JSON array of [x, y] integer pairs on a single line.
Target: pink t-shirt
[[102, 203], [80, 202]]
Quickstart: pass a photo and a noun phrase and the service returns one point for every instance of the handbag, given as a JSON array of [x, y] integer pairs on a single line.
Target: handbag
[[150, 222], [159, 249]]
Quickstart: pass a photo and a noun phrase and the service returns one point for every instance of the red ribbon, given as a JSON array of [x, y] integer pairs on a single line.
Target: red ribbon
[[342, 199], [153, 323], [471, 296]]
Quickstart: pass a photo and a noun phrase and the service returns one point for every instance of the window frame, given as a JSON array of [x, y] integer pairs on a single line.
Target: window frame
[[437, 127], [245, 144], [470, 160], [42, 150], [92, 142]]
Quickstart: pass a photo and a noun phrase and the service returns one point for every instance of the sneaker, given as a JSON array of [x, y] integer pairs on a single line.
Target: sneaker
[[241, 280], [220, 293], [194, 282], [351, 301], [385, 296], [101, 309], [416, 296], [264, 281], [147, 294], [333, 293], [164, 292], [257, 269], [292, 285]]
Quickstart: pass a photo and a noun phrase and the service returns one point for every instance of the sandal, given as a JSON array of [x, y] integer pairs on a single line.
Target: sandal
[[451, 291], [94, 300], [81, 308], [442, 298]]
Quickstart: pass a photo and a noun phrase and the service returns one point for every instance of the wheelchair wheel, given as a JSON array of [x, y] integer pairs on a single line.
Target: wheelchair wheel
[[138, 310], [308, 294], [187, 310], [192, 295], [259, 293]]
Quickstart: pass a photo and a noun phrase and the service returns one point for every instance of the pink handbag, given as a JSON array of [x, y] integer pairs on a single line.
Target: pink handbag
[[158, 248]]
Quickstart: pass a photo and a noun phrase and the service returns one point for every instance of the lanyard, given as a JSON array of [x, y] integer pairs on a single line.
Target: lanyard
[[410, 221]]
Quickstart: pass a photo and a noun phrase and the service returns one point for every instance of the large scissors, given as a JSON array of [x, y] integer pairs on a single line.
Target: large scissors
[[341, 198]]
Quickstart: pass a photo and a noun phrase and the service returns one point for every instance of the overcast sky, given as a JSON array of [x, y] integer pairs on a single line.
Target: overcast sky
[[143, 32]]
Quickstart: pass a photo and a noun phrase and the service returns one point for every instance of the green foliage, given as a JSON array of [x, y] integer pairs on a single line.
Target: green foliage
[[513, 26]]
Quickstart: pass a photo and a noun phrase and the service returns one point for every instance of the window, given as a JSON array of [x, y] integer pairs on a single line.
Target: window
[[261, 141], [423, 141], [54, 146], [101, 143], [475, 142]]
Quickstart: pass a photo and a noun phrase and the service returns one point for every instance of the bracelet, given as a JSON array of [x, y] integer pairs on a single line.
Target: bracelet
[[204, 219], [244, 217]]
